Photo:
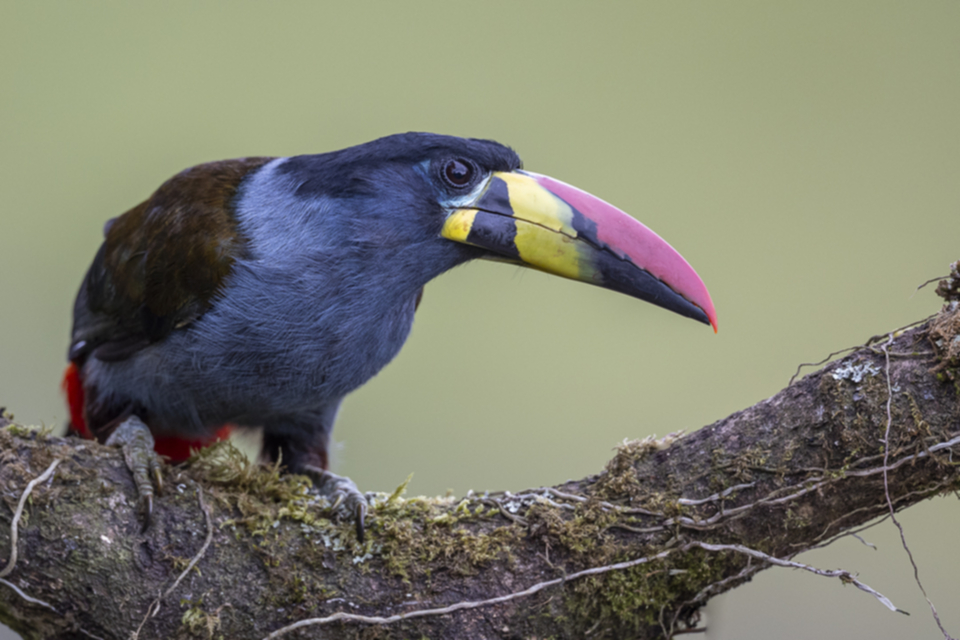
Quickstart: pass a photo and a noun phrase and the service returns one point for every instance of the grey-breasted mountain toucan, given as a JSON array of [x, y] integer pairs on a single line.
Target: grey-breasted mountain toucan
[[258, 292]]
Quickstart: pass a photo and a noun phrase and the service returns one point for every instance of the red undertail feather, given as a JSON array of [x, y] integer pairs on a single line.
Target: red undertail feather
[[176, 449], [73, 389], [179, 449]]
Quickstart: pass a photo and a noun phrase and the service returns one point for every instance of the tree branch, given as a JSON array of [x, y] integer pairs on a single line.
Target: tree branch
[[632, 552]]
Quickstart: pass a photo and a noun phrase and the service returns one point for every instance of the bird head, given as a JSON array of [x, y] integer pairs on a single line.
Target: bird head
[[443, 200]]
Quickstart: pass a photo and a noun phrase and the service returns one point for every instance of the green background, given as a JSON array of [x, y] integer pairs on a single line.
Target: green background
[[804, 157]]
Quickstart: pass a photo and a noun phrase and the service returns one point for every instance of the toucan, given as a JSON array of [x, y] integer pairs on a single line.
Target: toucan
[[258, 292]]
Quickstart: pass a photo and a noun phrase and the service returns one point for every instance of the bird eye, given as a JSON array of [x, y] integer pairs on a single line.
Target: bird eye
[[458, 172]]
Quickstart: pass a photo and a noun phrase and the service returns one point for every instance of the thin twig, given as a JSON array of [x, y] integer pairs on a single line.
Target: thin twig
[[742, 510], [627, 527], [637, 511], [26, 597], [864, 542], [565, 495], [717, 496], [817, 364], [503, 511], [540, 495], [817, 483], [572, 496], [844, 576], [744, 573], [902, 461], [905, 496], [19, 512], [872, 340], [154, 607], [886, 490], [203, 549], [88, 634], [343, 616], [931, 281], [843, 534], [898, 332]]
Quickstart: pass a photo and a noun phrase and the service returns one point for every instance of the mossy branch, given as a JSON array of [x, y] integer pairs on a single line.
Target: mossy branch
[[632, 552]]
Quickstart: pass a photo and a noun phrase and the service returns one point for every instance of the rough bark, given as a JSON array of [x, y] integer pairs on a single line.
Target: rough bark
[[785, 475]]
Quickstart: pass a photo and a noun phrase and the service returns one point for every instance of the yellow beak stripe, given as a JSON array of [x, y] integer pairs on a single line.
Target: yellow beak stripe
[[550, 251], [533, 203], [530, 225], [458, 224]]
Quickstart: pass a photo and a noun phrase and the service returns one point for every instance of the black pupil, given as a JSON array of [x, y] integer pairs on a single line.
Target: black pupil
[[458, 172]]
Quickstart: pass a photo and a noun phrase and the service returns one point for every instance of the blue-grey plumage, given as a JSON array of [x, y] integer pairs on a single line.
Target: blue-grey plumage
[[259, 292], [336, 249]]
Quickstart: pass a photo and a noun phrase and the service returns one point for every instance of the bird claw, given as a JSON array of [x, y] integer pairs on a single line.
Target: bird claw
[[136, 442], [344, 495]]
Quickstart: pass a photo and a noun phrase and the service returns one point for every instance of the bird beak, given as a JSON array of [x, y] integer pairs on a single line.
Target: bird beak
[[543, 223]]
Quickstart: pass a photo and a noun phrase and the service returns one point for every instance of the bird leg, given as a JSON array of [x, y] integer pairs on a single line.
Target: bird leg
[[136, 442], [302, 447], [342, 493]]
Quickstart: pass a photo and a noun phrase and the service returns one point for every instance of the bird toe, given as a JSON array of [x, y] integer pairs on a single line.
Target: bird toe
[[344, 496], [135, 440]]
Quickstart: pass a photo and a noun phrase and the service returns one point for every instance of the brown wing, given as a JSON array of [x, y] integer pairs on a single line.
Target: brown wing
[[161, 262]]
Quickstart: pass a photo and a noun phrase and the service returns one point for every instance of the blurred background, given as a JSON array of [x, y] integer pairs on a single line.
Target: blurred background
[[804, 157]]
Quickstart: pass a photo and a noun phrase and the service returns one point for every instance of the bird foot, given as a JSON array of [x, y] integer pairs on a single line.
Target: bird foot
[[136, 442], [342, 493]]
